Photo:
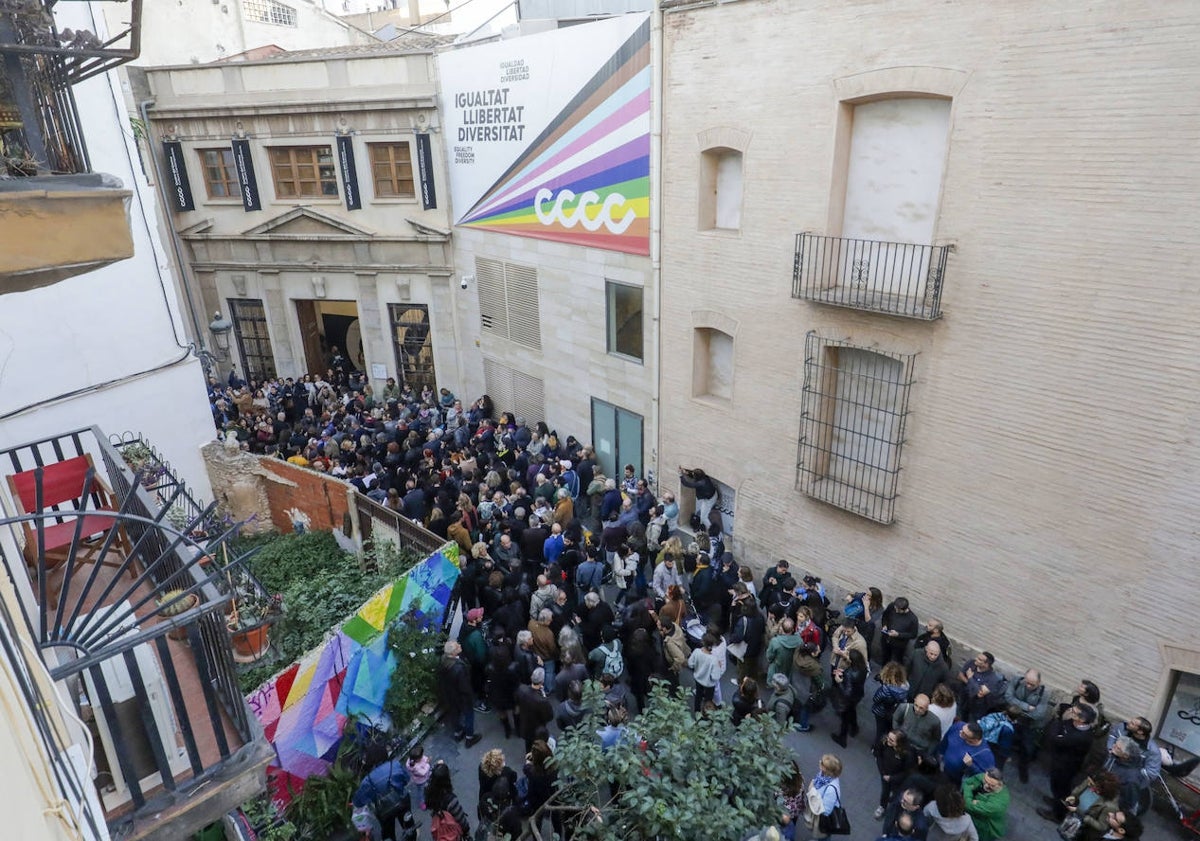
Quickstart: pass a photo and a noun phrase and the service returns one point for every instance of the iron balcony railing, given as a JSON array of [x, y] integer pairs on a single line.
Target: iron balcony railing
[[40, 132], [378, 522], [171, 715], [893, 278]]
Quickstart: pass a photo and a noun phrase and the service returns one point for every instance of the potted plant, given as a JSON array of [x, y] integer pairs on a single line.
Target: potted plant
[[250, 616], [143, 462], [173, 603]]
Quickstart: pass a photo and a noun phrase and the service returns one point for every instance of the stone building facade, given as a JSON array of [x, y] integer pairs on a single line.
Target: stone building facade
[[342, 238], [971, 381]]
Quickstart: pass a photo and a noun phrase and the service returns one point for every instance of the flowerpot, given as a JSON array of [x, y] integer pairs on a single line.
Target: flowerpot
[[252, 642], [183, 605]]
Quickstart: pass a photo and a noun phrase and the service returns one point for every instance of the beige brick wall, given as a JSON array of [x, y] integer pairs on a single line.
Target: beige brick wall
[[574, 362], [1050, 476]]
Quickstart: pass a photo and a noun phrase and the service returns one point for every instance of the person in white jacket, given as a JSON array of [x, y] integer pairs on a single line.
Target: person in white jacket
[[665, 574], [624, 565], [707, 669]]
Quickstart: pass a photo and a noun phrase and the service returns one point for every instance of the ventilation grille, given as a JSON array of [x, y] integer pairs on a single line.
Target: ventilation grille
[[508, 301], [514, 391]]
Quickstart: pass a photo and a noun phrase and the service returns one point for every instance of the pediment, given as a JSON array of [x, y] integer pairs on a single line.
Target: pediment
[[304, 221]]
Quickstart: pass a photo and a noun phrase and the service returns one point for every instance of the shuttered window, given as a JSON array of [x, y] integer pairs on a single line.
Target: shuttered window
[[508, 301], [514, 391]]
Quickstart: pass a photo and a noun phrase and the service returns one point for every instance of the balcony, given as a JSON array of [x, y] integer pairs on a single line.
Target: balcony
[[60, 219], [130, 625], [892, 278]]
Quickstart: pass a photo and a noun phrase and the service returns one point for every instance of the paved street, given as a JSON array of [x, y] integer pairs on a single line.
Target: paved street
[[859, 780]]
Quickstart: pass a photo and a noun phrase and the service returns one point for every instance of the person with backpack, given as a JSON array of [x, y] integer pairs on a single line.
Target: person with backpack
[[608, 658], [448, 820], [892, 692]]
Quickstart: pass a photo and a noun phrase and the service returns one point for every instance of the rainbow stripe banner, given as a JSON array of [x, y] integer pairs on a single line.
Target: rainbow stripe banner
[[584, 178], [304, 708]]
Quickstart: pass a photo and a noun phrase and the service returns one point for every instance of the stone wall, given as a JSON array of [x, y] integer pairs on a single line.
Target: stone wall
[[272, 495]]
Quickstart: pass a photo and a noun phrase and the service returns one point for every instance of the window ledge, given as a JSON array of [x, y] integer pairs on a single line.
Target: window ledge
[[713, 401]]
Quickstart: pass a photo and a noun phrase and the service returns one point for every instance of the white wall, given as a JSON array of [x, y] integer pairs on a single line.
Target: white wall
[[199, 31], [115, 323]]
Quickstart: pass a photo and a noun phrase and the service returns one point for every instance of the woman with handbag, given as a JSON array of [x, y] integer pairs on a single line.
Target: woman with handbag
[[823, 797]]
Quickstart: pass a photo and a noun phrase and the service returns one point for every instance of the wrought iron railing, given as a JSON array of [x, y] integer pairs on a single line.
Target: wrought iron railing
[[894, 278], [39, 123], [109, 638], [377, 522]]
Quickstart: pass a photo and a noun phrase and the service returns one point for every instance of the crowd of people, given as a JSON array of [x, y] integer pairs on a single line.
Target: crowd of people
[[570, 576]]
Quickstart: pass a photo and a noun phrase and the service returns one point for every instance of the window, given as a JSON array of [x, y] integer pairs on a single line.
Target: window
[[721, 190], [303, 171], [254, 343], [617, 436], [391, 170], [508, 301], [220, 177], [712, 363], [412, 339], [514, 391], [855, 402], [624, 319], [269, 11]]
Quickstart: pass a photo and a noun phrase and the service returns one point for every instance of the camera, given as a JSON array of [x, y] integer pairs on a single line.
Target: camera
[[464, 282]]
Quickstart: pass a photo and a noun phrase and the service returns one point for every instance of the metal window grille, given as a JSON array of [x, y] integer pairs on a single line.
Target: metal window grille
[[514, 391], [269, 11], [894, 278], [249, 318], [412, 338], [855, 404], [508, 301]]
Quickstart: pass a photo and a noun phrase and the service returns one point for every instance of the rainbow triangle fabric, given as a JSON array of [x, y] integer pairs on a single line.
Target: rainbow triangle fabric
[[303, 710], [585, 180]]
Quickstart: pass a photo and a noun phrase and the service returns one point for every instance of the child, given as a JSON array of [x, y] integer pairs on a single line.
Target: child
[[419, 770]]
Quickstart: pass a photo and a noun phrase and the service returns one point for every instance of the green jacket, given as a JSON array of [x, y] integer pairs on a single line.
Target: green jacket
[[989, 810], [475, 650], [780, 653]]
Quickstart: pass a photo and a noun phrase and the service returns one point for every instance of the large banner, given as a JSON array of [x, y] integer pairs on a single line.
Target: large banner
[[304, 708], [549, 135]]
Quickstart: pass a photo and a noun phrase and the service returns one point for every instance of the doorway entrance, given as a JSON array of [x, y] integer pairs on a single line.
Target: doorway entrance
[[325, 325], [617, 437]]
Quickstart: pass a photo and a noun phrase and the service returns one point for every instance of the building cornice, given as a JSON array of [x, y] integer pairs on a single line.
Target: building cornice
[[268, 108], [350, 268]]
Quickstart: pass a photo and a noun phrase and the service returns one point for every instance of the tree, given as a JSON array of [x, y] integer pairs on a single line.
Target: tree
[[677, 775]]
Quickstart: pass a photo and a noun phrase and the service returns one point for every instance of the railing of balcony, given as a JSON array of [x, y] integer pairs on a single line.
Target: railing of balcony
[[179, 714], [893, 278], [39, 123], [377, 521], [69, 777]]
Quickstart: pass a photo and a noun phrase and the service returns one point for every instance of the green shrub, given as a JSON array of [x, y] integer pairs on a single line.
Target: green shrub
[[414, 683]]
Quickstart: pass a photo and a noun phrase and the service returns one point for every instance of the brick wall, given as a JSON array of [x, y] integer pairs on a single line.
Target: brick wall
[[323, 498], [1049, 480]]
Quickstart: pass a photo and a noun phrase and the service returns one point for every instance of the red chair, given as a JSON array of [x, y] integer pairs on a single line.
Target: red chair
[[63, 485]]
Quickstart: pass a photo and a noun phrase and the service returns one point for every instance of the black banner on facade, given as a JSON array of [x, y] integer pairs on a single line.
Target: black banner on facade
[[244, 164], [345, 151], [425, 171], [177, 178]]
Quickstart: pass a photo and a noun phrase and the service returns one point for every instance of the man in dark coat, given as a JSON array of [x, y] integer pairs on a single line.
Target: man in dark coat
[[898, 628], [1068, 740], [455, 695], [926, 669], [533, 707]]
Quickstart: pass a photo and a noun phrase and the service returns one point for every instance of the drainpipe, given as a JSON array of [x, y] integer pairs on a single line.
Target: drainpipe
[[165, 201], [657, 61]]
